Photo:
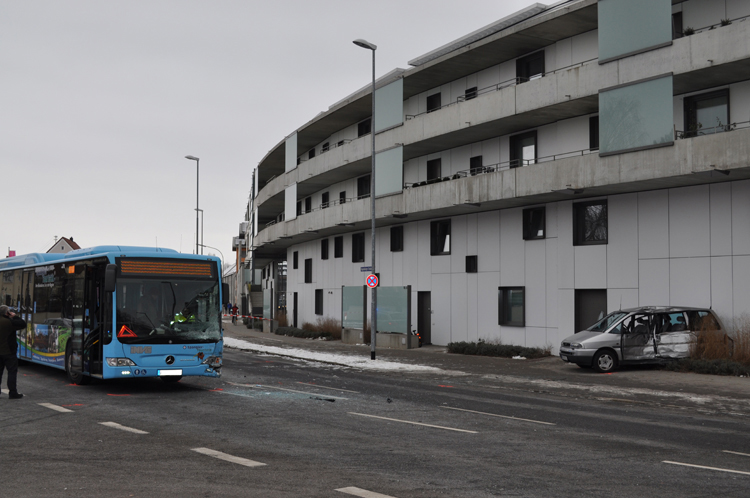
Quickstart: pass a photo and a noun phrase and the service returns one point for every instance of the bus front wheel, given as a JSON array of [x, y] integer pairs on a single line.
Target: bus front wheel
[[76, 378]]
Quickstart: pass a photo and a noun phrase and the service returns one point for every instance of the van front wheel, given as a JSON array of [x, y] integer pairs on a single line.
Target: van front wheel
[[605, 361]]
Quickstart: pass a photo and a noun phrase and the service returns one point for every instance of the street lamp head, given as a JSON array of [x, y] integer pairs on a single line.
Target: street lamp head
[[365, 44], [192, 158]]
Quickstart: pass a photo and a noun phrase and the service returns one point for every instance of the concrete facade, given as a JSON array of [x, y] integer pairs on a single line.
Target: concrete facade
[[677, 212]]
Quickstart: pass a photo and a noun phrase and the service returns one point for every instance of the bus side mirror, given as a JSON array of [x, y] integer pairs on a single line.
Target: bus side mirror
[[110, 278], [224, 293]]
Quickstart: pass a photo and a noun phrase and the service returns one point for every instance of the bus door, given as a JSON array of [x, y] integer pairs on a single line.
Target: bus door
[[95, 320], [25, 310]]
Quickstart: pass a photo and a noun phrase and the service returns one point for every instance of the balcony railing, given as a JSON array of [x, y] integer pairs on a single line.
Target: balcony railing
[[700, 131]]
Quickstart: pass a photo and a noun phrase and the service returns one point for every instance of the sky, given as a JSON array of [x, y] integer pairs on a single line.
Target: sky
[[102, 100]]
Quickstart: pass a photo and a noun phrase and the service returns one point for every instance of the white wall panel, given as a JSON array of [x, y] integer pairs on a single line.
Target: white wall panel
[[653, 224], [290, 202], [547, 143], [741, 285], [471, 234], [424, 260], [572, 135], [512, 254], [459, 307], [653, 278], [458, 244], [488, 77], [551, 220], [566, 255], [411, 259], [515, 336], [440, 299], [690, 282], [472, 306], [622, 246], [689, 222], [566, 312], [701, 13], [721, 219], [739, 97], [491, 151], [585, 46], [591, 267], [535, 281], [487, 301], [721, 286], [536, 337], [621, 299], [741, 218], [737, 8], [551, 287], [488, 250], [563, 54]]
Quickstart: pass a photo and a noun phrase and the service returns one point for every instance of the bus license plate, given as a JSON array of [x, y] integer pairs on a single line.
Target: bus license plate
[[167, 373]]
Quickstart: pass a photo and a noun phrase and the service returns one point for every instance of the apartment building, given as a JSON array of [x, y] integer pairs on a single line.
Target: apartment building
[[565, 161]]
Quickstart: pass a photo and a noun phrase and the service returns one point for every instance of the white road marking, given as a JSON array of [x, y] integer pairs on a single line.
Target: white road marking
[[363, 493], [414, 423], [115, 425], [228, 458], [496, 415], [55, 407], [326, 387], [737, 453], [258, 386], [708, 468]]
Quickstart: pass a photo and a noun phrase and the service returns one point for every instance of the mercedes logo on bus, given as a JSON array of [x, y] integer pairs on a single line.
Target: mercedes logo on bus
[[170, 360]]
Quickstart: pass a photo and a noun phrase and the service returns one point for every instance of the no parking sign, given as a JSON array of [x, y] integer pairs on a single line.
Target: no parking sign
[[372, 281]]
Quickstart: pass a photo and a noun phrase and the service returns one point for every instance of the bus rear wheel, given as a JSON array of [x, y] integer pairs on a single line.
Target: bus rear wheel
[[76, 378]]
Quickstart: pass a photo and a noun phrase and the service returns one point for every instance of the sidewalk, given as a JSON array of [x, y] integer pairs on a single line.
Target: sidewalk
[[637, 384]]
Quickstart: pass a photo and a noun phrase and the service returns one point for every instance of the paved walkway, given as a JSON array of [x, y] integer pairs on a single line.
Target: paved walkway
[[636, 384]]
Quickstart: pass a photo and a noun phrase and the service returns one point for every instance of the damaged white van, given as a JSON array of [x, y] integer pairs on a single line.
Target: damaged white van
[[638, 335]]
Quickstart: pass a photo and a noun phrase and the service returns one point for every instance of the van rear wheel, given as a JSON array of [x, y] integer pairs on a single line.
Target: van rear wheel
[[605, 361]]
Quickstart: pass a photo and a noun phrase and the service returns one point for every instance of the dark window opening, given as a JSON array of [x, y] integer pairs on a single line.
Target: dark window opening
[[707, 113], [339, 143], [364, 127], [433, 169], [295, 260], [523, 149], [511, 306], [534, 223], [472, 264], [324, 200], [530, 67], [590, 223], [342, 197], [324, 147], [677, 25], [470, 93], [308, 271], [476, 165], [363, 187], [397, 238], [299, 208], [338, 247], [311, 153], [358, 247], [324, 249], [318, 301], [308, 204], [440, 237], [594, 132], [433, 102]]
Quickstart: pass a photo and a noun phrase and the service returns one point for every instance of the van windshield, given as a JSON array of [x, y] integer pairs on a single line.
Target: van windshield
[[608, 321]]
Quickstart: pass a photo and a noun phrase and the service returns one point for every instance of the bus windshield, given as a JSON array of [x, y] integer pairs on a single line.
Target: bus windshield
[[157, 311]]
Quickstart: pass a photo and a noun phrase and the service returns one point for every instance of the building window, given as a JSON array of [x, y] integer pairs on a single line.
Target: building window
[[324, 249], [363, 187], [433, 102], [363, 128], [325, 147], [476, 165], [308, 271], [470, 93], [594, 132], [523, 149], [295, 260], [677, 25], [511, 306], [318, 301], [342, 197], [590, 223], [338, 247], [530, 67], [440, 237], [472, 264], [534, 223], [433, 169], [299, 208], [324, 200], [308, 204], [311, 153], [706, 113], [358, 247], [397, 238]]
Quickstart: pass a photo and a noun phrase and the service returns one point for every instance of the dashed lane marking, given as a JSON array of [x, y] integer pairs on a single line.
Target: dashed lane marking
[[115, 425], [326, 387], [55, 407], [228, 458], [259, 386], [736, 453], [363, 493], [707, 468], [500, 416], [414, 423]]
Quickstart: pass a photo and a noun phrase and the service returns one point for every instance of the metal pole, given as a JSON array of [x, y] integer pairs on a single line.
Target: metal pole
[[197, 188], [374, 320]]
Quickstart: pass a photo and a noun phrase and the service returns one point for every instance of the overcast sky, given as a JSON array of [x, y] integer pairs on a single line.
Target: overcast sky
[[101, 100]]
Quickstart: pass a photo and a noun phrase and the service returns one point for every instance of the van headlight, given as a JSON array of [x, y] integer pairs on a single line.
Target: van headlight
[[576, 345]]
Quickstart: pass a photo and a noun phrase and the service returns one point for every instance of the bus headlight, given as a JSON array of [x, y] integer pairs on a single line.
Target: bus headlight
[[120, 362], [212, 361]]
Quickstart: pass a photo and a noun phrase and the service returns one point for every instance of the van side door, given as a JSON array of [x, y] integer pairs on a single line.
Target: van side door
[[672, 335], [638, 338]]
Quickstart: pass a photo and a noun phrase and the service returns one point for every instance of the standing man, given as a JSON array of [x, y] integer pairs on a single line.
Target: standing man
[[234, 314], [9, 323]]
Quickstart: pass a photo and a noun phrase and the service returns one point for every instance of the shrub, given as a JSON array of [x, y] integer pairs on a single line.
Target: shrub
[[325, 328], [483, 348], [329, 326]]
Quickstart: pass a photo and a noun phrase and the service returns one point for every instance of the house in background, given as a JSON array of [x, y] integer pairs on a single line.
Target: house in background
[[63, 245]]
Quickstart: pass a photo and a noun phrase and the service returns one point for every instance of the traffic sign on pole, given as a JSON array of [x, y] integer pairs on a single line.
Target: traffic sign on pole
[[372, 281]]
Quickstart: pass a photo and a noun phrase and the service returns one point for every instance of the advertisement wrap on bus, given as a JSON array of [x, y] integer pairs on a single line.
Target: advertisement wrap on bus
[[115, 312]]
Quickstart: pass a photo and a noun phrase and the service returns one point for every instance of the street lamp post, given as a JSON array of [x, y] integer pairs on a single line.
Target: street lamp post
[[373, 309], [197, 189]]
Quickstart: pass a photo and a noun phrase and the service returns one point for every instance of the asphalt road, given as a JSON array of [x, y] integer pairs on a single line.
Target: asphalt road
[[279, 427]]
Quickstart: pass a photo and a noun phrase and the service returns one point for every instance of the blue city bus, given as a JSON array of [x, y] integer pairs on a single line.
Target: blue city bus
[[113, 312]]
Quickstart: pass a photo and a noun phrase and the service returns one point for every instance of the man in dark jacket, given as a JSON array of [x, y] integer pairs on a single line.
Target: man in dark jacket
[[9, 323]]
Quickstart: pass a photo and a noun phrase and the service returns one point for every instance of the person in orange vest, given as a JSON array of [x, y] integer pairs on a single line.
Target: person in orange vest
[[234, 315]]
